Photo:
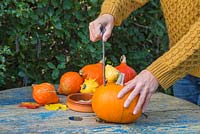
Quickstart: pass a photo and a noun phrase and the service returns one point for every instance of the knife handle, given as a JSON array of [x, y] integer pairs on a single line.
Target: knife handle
[[102, 29]]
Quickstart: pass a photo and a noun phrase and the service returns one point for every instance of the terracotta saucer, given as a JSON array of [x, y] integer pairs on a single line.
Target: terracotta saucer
[[80, 102]]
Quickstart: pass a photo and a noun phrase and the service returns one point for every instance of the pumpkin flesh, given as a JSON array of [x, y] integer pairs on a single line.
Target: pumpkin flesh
[[128, 71]]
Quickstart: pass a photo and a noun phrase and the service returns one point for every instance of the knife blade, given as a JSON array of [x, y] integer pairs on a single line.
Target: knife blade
[[102, 28]]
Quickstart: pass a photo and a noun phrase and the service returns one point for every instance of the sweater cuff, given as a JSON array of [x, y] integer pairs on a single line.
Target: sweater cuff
[[112, 10], [119, 9], [161, 72]]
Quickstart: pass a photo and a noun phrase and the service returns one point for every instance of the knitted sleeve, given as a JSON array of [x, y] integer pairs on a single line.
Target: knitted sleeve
[[120, 9], [180, 60]]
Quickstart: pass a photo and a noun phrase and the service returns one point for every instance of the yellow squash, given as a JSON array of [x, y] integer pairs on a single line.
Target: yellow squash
[[111, 73], [89, 86]]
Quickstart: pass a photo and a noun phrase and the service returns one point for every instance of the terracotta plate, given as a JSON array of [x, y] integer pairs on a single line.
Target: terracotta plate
[[80, 102]]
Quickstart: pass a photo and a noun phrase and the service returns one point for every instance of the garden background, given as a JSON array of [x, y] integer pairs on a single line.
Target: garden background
[[42, 39]]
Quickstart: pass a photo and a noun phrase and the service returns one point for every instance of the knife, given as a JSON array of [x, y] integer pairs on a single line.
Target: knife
[[102, 28]]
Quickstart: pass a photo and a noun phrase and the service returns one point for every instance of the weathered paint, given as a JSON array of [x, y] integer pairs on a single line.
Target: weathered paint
[[165, 114]]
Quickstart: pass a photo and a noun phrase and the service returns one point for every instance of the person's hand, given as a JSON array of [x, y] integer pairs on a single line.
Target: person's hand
[[144, 84], [105, 20]]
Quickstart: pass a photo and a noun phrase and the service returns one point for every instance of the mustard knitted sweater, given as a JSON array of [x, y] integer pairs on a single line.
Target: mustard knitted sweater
[[183, 23]]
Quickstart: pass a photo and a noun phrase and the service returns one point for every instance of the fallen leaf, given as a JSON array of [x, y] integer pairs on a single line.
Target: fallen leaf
[[29, 105], [57, 106]]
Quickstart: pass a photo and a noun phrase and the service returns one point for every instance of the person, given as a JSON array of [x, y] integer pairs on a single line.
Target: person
[[180, 64]]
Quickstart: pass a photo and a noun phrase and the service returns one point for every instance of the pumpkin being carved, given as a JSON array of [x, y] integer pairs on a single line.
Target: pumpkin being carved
[[70, 82], [44, 93], [108, 107], [129, 72]]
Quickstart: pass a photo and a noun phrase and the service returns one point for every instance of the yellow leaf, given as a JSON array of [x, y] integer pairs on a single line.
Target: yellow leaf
[[57, 106]]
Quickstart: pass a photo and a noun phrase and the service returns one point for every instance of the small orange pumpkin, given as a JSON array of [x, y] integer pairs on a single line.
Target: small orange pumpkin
[[44, 93], [129, 72], [70, 82], [108, 107], [93, 71]]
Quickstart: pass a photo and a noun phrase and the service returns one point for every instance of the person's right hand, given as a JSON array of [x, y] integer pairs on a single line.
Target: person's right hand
[[107, 21]]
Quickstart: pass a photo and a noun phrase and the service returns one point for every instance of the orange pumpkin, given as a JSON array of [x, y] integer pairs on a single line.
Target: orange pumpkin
[[70, 82], [129, 72], [93, 71], [108, 107], [44, 93]]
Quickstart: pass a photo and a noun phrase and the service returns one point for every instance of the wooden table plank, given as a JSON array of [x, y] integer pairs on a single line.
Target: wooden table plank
[[166, 114]]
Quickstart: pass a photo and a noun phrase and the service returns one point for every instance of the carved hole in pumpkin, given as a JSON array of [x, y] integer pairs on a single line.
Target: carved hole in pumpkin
[[75, 118]]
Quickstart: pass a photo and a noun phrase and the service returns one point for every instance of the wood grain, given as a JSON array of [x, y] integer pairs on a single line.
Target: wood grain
[[165, 114]]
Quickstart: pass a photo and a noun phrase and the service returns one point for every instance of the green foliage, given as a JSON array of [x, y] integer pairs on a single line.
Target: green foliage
[[46, 38], [4, 52]]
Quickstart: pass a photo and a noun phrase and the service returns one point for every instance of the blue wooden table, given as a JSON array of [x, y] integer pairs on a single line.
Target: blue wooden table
[[165, 114]]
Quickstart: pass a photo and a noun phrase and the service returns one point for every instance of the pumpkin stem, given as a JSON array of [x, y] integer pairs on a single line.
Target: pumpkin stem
[[81, 72], [33, 85], [84, 86], [120, 80], [101, 61], [123, 59]]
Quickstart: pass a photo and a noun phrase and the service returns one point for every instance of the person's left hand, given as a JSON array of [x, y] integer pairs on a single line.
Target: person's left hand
[[144, 84]]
